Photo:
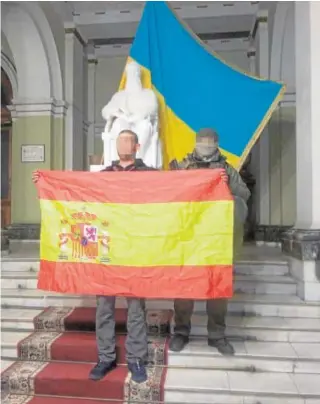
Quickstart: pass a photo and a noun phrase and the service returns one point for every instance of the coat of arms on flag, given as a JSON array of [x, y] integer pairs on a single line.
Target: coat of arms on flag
[[84, 236]]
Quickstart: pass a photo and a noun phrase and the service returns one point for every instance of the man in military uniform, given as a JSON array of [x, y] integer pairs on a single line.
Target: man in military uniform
[[206, 155]]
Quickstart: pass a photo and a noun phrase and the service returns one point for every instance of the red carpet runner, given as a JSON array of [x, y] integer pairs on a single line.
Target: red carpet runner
[[55, 361]]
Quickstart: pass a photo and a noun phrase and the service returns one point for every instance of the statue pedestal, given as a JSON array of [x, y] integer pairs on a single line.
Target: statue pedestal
[[95, 168], [109, 148]]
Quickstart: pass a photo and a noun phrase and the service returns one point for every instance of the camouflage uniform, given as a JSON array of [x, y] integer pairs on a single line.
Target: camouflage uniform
[[237, 186], [216, 308]]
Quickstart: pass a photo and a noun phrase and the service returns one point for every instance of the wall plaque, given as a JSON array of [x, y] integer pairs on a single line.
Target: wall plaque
[[32, 153]]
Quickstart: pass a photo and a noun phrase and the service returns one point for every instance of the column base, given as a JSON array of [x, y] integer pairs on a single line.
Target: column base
[[23, 231], [303, 249], [269, 234], [4, 240]]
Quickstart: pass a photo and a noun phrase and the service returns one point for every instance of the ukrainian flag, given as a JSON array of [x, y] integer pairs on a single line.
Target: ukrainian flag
[[196, 89]]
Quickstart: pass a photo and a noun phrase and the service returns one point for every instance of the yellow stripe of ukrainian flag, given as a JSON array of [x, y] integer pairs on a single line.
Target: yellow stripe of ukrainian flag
[[156, 234]]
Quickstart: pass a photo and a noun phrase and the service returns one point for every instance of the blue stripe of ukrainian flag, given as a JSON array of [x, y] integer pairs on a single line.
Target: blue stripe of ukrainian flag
[[196, 89]]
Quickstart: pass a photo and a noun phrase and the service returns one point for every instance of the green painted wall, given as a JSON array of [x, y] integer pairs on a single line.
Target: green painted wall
[[33, 130]]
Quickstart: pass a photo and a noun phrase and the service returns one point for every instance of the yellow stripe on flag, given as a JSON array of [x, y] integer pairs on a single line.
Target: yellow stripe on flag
[[163, 234]]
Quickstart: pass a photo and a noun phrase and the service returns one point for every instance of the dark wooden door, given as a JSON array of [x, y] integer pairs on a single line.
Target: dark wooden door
[[6, 142], [5, 177]]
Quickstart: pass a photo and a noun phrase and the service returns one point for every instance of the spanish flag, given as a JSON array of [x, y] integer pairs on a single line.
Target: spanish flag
[[196, 89], [147, 234]]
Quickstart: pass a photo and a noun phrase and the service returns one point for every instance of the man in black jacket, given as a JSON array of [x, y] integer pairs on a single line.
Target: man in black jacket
[[137, 341], [127, 147]]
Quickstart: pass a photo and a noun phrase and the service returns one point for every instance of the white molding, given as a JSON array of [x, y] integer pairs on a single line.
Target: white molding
[[92, 56], [76, 31], [11, 72], [288, 100], [218, 45], [262, 14], [92, 68], [252, 59], [86, 124], [262, 157], [22, 107], [211, 10], [109, 51]]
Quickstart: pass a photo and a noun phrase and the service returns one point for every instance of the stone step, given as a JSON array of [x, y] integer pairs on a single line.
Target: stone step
[[39, 399], [19, 264], [238, 387], [243, 267], [9, 343], [268, 329], [27, 247], [18, 319], [208, 386], [5, 364], [257, 328], [251, 356], [241, 304], [256, 284]]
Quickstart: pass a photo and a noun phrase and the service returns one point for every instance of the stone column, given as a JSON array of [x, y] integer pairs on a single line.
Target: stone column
[[302, 243], [75, 90], [92, 67], [251, 54], [262, 146], [250, 169]]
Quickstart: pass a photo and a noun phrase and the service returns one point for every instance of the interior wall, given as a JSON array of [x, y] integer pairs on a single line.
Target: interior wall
[[5, 48], [237, 58], [108, 74], [57, 28]]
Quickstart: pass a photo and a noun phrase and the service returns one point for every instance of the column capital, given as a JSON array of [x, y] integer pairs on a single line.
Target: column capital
[[261, 18], [92, 60], [251, 53], [72, 29], [29, 107]]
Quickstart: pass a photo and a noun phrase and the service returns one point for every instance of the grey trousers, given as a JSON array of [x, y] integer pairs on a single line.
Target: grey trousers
[[216, 308], [216, 311], [137, 340]]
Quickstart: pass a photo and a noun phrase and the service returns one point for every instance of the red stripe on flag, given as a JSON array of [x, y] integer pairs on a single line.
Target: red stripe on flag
[[167, 282], [133, 187]]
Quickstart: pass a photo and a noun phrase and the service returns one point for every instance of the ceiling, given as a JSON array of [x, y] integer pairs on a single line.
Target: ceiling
[[116, 21]]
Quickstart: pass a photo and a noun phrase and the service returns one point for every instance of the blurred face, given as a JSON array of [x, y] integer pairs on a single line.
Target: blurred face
[[127, 146], [206, 146]]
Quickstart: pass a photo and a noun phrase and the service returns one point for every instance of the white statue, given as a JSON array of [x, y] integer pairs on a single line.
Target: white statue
[[134, 108]]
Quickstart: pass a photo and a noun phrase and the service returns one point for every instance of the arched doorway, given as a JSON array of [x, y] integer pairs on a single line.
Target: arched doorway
[[6, 141]]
